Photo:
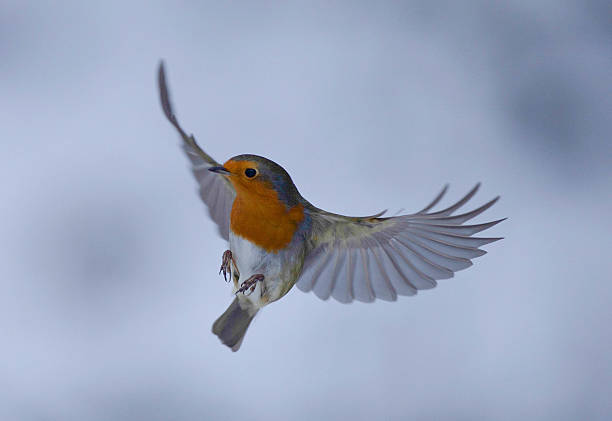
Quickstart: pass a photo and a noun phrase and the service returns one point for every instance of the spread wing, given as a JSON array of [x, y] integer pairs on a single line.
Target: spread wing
[[217, 192], [372, 257]]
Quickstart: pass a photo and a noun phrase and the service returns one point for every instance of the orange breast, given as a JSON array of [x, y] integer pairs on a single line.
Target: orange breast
[[260, 217]]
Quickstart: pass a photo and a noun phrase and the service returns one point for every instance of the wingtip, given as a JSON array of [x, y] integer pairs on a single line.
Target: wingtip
[[164, 96], [493, 223], [435, 201], [166, 104], [377, 215], [161, 73], [475, 189]]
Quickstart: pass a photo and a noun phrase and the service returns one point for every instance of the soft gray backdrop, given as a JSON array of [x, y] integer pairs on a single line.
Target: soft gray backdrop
[[108, 272]]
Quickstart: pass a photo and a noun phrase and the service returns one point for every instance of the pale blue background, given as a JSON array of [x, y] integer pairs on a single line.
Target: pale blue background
[[108, 270]]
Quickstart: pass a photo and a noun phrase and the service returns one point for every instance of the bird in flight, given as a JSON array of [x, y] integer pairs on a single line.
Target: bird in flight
[[278, 239]]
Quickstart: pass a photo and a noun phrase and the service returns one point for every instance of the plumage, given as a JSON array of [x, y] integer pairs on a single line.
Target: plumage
[[216, 192], [257, 201], [397, 255], [273, 231]]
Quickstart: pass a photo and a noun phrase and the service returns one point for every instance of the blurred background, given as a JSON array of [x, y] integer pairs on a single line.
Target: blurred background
[[108, 270]]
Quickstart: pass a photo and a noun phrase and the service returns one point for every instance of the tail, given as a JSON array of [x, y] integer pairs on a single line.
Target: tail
[[233, 324]]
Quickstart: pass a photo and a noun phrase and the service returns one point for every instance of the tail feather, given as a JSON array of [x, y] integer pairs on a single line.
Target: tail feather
[[233, 324]]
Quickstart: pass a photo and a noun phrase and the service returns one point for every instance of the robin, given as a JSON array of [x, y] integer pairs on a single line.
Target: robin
[[277, 239]]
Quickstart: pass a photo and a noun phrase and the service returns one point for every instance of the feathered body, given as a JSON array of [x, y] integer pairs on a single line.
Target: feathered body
[[267, 232], [277, 239]]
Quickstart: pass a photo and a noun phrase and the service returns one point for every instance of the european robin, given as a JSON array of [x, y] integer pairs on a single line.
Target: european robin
[[277, 239]]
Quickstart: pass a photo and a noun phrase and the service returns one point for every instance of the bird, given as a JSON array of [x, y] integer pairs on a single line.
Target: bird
[[278, 239]]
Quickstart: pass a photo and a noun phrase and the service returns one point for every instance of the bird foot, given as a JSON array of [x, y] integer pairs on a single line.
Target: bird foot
[[250, 284], [226, 264]]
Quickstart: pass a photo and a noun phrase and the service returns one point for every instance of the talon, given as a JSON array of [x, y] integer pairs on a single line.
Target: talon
[[250, 284], [226, 264]]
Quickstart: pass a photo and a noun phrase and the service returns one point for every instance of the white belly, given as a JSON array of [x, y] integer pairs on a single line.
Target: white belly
[[252, 260]]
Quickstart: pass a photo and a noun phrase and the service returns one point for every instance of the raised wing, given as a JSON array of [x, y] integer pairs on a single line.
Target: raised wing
[[217, 192], [367, 258]]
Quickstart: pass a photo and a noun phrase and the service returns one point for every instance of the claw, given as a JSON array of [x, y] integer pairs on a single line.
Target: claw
[[226, 264], [250, 284]]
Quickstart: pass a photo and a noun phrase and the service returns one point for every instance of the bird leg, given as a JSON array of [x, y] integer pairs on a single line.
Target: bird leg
[[226, 264], [250, 284]]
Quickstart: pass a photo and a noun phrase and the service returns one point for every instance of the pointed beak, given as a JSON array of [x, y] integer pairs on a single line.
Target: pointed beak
[[220, 170]]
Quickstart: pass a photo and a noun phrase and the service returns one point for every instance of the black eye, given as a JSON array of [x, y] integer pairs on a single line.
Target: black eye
[[250, 172]]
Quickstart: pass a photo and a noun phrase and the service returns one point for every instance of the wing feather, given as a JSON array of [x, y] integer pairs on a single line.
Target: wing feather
[[383, 287], [435, 201], [216, 192], [401, 283], [466, 230], [341, 288], [422, 263], [458, 219], [419, 279], [457, 205], [362, 288], [450, 263], [381, 258], [323, 287], [314, 266], [448, 248], [455, 239]]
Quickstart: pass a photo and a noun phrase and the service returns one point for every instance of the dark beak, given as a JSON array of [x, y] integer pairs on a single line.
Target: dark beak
[[220, 170]]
